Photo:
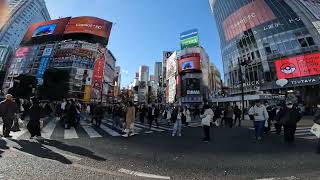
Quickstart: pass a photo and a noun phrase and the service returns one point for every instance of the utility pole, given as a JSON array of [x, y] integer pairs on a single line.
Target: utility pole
[[242, 63]]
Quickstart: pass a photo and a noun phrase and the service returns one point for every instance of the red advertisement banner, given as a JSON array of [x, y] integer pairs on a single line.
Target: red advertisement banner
[[298, 66], [247, 17], [98, 73]]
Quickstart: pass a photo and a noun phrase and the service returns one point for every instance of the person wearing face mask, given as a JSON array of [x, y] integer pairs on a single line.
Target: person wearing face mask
[[317, 121], [289, 116]]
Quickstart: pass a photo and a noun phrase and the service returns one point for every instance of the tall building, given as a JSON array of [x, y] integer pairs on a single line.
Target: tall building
[[158, 71], [274, 43], [16, 19], [117, 81], [144, 73], [76, 45]]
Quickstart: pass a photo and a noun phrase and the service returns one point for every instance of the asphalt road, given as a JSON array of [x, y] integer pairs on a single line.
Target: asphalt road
[[230, 155]]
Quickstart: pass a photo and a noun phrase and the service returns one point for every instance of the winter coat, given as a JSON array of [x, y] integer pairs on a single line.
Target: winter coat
[[130, 117], [259, 113], [188, 116], [207, 117], [289, 117]]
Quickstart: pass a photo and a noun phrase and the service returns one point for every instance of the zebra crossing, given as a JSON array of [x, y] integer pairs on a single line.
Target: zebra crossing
[[54, 130], [301, 133]]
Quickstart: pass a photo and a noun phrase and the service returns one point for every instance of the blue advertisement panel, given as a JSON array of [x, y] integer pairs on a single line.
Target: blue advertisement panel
[[189, 34], [44, 62]]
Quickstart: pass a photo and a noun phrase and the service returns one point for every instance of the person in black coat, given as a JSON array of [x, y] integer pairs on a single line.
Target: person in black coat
[[289, 116], [71, 114], [33, 125], [153, 115]]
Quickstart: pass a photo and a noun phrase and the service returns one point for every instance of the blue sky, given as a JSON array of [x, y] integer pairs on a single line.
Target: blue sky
[[145, 28]]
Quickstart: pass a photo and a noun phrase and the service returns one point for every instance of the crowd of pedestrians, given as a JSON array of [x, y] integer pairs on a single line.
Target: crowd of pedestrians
[[69, 111]]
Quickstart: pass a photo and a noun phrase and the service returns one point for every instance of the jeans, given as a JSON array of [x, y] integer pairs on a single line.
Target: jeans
[[117, 122], [177, 127], [259, 127], [206, 131]]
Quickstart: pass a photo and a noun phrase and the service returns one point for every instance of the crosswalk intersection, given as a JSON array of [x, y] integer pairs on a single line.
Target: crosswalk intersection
[[301, 133], [54, 130]]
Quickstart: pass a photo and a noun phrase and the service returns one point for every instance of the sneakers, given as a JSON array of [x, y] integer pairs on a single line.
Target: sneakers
[[125, 135], [179, 135], [173, 135]]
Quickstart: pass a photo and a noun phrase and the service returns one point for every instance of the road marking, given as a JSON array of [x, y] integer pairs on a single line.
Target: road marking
[[302, 133], [70, 133], [15, 135], [31, 155], [154, 129], [141, 174], [48, 130], [310, 137], [90, 130], [109, 131], [283, 178], [160, 127]]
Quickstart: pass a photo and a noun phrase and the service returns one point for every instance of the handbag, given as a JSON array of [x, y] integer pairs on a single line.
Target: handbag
[[315, 129]]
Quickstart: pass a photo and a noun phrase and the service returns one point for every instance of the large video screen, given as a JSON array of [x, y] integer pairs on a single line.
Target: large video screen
[[191, 86], [189, 63], [44, 30], [89, 25], [298, 66], [253, 14]]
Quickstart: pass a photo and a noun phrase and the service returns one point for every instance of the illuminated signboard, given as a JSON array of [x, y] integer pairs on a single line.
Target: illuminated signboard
[[298, 66], [253, 14], [90, 25], [189, 39], [22, 52], [44, 30], [189, 63]]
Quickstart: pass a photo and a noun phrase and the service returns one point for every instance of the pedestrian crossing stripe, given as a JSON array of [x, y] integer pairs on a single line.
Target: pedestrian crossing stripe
[[48, 131], [301, 133]]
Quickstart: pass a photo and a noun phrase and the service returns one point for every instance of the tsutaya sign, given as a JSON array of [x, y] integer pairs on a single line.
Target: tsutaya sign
[[298, 82]]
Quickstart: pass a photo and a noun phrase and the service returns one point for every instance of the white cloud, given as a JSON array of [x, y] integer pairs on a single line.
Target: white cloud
[[125, 71]]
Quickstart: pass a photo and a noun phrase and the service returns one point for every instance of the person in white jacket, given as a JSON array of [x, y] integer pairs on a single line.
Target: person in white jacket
[[188, 115], [260, 115], [207, 118]]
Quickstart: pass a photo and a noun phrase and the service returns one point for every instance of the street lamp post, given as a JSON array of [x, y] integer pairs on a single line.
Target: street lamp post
[[242, 63]]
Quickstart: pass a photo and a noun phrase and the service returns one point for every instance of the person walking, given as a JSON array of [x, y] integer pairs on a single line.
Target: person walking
[[237, 116], [217, 116], [71, 111], [8, 112], [260, 115], [178, 123], [153, 116], [130, 118], [33, 125], [98, 114], [206, 119], [142, 113], [168, 110], [289, 116], [228, 116], [317, 121], [117, 112], [187, 115]]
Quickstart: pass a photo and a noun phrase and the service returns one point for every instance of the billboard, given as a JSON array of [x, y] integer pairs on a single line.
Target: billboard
[[189, 63], [191, 86], [45, 29], [249, 16], [22, 52], [89, 25], [298, 66], [171, 66], [47, 51], [44, 62], [189, 39]]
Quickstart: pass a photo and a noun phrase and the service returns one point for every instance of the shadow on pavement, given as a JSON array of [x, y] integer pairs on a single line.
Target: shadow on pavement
[[73, 149], [37, 149], [3, 146]]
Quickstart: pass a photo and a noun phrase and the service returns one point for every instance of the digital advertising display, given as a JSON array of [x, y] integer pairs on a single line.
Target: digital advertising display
[[89, 25], [191, 86], [247, 17], [189, 63], [22, 52], [44, 30], [189, 39], [298, 66]]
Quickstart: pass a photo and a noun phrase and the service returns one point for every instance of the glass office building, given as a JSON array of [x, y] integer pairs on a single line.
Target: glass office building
[[277, 43]]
